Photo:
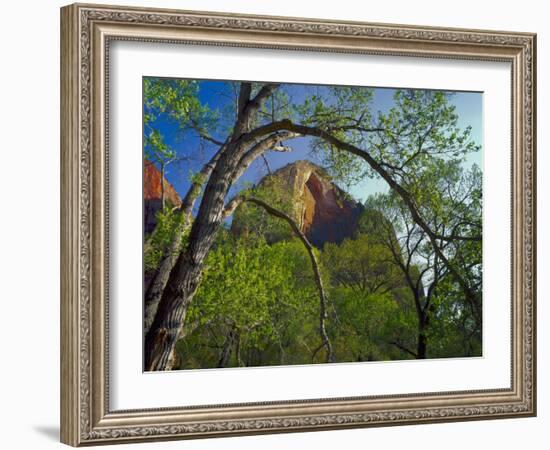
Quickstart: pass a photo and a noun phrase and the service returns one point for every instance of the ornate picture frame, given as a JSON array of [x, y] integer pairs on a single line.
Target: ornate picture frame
[[87, 31]]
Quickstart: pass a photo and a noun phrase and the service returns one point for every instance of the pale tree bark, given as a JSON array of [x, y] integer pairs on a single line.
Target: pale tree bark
[[184, 278], [471, 296], [158, 283]]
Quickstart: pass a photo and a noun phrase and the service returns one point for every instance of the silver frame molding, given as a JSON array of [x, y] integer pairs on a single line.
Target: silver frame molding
[[86, 31]]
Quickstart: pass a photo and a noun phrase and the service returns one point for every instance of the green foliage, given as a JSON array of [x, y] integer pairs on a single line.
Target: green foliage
[[278, 106], [258, 304], [420, 144], [361, 264], [368, 323], [251, 220], [176, 98], [157, 150], [266, 296], [260, 291], [453, 331], [370, 299], [169, 223], [421, 125], [345, 113], [452, 200], [176, 101]]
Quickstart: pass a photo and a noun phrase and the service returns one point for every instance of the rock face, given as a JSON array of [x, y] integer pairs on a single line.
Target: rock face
[[152, 195], [324, 212]]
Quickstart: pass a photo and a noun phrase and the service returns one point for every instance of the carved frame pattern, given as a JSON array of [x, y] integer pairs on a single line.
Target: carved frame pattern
[[86, 33]]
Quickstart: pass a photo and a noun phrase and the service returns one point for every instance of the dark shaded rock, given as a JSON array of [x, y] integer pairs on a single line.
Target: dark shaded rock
[[324, 212]]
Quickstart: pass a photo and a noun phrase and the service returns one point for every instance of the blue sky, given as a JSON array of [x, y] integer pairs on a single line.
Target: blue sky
[[220, 94]]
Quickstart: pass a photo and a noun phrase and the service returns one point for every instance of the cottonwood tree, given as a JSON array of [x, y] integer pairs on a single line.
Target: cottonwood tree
[[453, 198], [422, 127], [412, 253], [369, 295], [240, 149], [170, 98], [257, 304], [323, 300]]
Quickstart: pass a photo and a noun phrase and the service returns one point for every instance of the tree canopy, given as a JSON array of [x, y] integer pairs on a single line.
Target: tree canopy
[[406, 284]]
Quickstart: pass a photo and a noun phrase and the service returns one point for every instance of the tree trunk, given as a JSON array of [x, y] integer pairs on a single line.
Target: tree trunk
[[238, 351], [422, 341], [158, 283], [227, 348], [184, 278], [162, 187]]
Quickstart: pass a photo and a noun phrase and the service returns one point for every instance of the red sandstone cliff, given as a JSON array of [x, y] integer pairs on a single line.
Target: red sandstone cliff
[[152, 193], [324, 212]]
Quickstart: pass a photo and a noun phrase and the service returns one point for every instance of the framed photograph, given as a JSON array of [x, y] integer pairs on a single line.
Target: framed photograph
[[278, 224]]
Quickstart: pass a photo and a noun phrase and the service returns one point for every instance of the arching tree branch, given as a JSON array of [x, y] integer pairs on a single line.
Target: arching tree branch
[[323, 302], [269, 143], [472, 297], [158, 283]]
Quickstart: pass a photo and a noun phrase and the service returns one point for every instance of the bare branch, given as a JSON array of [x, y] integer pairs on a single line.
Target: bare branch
[[314, 263], [266, 163], [160, 279], [286, 124], [402, 347]]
